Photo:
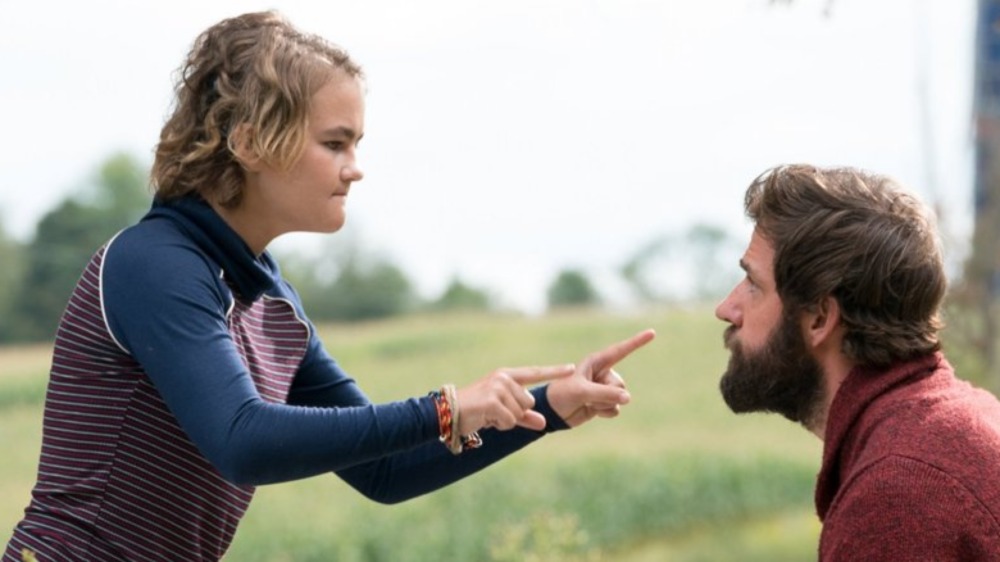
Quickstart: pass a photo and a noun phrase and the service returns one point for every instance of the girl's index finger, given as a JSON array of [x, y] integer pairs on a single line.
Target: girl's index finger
[[534, 375], [618, 351]]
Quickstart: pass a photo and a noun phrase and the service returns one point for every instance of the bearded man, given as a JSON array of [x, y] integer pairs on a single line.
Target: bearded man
[[836, 327]]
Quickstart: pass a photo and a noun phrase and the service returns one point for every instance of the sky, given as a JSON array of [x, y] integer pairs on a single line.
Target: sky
[[506, 141]]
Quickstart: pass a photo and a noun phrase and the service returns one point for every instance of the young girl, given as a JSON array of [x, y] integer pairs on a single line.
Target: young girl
[[185, 371]]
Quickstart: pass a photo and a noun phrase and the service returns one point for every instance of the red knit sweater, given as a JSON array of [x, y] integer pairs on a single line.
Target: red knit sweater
[[911, 468]]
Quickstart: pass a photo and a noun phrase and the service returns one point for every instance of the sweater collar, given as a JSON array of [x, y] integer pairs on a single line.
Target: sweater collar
[[861, 387], [247, 274]]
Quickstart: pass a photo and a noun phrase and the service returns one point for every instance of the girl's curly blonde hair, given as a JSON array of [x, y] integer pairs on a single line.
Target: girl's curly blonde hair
[[247, 80]]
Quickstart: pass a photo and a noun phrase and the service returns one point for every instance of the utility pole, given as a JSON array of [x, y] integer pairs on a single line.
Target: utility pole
[[982, 270]]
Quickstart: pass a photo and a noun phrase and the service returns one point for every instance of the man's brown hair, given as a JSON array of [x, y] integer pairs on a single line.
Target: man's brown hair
[[860, 238]]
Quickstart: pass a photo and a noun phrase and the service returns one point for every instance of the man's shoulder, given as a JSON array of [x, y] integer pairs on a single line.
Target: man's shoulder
[[952, 419], [913, 508], [952, 444]]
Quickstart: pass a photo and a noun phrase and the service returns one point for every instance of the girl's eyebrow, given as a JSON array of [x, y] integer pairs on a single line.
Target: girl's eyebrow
[[342, 131]]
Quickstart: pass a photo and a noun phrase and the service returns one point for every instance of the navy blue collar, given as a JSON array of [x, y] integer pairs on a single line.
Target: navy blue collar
[[247, 274]]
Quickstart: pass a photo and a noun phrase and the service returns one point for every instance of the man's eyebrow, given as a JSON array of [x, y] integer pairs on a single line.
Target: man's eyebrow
[[745, 266]]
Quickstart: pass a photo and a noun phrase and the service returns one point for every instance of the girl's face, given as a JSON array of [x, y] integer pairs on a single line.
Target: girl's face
[[312, 195]]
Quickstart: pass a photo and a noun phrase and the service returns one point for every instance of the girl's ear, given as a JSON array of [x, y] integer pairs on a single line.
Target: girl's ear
[[241, 143], [821, 322]]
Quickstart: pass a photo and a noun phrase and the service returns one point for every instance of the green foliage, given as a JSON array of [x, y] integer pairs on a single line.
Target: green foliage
[[65, 239], [580, 510], [700, 265], [347, 282], [359, 292], [676, 462], [121, 191], [21, 392], [635, 269], [713, 256], [786, 536], [543, 537], [572, 288], [376, 291], [459, 296], [11, 274]]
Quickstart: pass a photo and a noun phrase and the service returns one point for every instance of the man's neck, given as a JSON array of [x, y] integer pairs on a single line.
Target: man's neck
[[836, 367]]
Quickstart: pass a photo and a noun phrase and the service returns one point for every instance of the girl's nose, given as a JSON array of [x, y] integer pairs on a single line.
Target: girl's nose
[[351, 173]]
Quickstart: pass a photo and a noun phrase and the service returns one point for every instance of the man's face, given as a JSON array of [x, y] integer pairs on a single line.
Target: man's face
[[770, 367]]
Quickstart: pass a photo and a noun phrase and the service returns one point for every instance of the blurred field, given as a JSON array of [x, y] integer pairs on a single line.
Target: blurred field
[[676, 477]]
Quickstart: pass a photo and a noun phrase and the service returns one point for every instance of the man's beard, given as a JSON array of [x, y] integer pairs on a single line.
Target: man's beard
[[782, 377]]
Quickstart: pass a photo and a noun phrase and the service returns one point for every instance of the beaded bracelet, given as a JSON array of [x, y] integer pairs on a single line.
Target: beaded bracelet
[[446, 405], [443, 408]]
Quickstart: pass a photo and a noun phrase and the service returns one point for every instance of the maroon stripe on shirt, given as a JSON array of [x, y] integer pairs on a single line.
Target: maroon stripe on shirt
[[118, 479]]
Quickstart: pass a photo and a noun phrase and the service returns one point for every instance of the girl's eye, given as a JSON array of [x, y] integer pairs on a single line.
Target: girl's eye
[[335, 145]]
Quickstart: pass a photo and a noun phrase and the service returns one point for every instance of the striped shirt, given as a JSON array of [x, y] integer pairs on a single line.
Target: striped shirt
[[184, 374]]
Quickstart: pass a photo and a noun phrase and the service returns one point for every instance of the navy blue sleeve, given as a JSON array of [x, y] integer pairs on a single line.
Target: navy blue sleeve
[[166, 306], [429, 467], [407, 474]]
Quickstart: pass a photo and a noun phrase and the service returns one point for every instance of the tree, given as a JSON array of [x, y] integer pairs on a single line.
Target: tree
[[699, 264], [67, 236], [376, 290], [63, 242], [12, 258], [121, 191], [635, 270], [713, 259], [346, 282], [459, 296], [572, 288]]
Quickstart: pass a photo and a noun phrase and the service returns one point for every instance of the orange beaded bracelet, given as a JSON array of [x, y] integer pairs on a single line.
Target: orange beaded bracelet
[[446, 405]]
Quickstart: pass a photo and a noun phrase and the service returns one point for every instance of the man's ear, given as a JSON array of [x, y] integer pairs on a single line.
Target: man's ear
[[242, 145], [821, 322]]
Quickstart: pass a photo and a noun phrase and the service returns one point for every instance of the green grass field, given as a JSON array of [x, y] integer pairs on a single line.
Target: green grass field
[[676, 477]]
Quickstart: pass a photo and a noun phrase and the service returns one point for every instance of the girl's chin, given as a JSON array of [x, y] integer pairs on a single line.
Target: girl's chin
[[334, 227]]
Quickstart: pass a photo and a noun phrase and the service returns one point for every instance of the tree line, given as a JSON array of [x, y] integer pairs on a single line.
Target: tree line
[[344, 284]]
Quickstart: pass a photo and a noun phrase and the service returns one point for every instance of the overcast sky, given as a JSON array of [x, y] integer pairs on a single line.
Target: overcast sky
[[507, 140]]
